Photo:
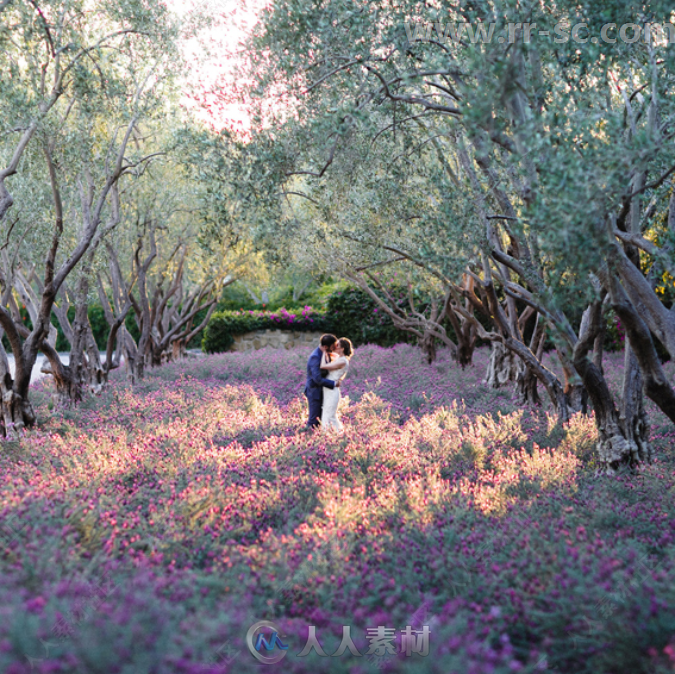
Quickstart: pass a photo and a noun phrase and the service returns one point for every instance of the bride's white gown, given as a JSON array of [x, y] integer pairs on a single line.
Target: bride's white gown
[[331, 398]]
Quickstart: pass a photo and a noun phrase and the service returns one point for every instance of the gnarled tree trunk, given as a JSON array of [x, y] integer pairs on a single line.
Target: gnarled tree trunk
[[622, 438], [428, 345], [634, 418], [17, 411], [464, 327], [526, 386], [503, 366]]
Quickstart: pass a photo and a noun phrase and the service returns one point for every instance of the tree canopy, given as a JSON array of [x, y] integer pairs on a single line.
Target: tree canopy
[[524, 177]]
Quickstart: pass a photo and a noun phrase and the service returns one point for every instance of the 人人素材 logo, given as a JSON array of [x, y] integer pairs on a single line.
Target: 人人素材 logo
[[265, 642]]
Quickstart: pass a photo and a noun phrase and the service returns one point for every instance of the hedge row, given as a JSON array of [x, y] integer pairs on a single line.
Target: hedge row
[[356, 315], [349, 312], [224, 325]]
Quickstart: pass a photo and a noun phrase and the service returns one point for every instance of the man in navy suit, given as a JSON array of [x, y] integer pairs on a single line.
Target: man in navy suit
[[316, 382]]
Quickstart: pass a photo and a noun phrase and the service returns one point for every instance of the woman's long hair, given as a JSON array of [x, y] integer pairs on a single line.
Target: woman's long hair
[[346, 344]]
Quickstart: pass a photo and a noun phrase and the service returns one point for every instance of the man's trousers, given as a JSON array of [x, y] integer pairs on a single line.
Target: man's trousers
[[315, 405]]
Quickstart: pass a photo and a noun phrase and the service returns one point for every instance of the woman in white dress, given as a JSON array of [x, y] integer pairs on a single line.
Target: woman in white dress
[[337, 370]]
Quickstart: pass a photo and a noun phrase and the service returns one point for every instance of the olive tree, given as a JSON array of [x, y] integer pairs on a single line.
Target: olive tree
[[79, 83], [564, 147]]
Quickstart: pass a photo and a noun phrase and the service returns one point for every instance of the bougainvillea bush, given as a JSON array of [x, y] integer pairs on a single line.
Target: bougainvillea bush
[[223, 325], [147, 529]]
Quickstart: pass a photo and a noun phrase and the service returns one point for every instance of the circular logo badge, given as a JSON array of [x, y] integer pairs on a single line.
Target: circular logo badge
[[266, 642]]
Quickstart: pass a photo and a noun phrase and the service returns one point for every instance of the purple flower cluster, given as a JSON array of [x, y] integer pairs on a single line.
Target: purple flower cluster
[[147, 529], [282, 316]]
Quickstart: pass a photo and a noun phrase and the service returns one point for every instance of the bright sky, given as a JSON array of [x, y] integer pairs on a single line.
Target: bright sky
[[209, 83]]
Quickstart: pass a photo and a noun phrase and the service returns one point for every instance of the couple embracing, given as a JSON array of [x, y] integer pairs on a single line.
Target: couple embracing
[[326, 368]]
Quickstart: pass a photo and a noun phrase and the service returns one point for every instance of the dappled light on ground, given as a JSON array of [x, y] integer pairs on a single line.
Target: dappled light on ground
[[147, 529]]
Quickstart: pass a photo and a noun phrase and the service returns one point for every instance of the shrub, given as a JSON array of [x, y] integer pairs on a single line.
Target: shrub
[[219, 333], [216, 336], [99, 325], [349, 311], [357, 316]]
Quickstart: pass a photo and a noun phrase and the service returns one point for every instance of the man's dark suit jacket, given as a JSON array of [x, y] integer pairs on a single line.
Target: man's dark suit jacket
[[315, 382]]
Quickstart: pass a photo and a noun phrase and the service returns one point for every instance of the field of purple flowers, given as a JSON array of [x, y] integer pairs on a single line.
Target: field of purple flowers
[[147, 529]]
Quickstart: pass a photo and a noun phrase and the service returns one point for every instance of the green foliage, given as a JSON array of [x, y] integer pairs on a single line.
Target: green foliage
[[220, 331], [320, 296], [348, 311], [238, 196], [217, 335], [132, 326], [99, 325], [235, 298], [62, 344], [356, 315], [547, 135], [317, 297]]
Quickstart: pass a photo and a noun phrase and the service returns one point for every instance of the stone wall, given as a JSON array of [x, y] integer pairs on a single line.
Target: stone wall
[[277, 339]]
